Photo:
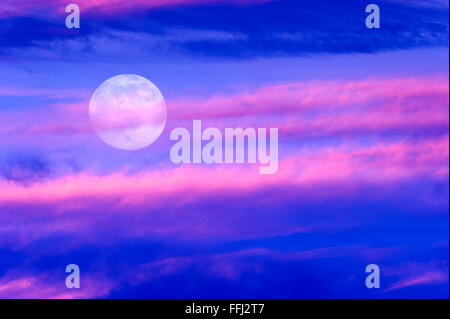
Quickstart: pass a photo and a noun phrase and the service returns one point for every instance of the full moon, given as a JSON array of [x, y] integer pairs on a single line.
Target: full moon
[[128, 112]]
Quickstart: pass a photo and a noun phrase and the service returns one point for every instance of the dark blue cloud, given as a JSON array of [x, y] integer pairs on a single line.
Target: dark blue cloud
[[418, 239], [24, 168], [268, 29]]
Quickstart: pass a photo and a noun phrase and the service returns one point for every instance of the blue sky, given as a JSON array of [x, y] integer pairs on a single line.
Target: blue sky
[[363, 141]]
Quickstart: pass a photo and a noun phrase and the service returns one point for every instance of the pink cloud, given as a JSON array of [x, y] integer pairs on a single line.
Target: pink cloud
[[300, 110], [14, 8], [156, 202], [43, 286], [389, 95], [64, 203], [381, 162], [415, 274], [427, 278], [373, 122]]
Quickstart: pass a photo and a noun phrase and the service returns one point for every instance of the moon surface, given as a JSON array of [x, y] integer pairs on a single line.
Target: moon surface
[[128, 112]]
